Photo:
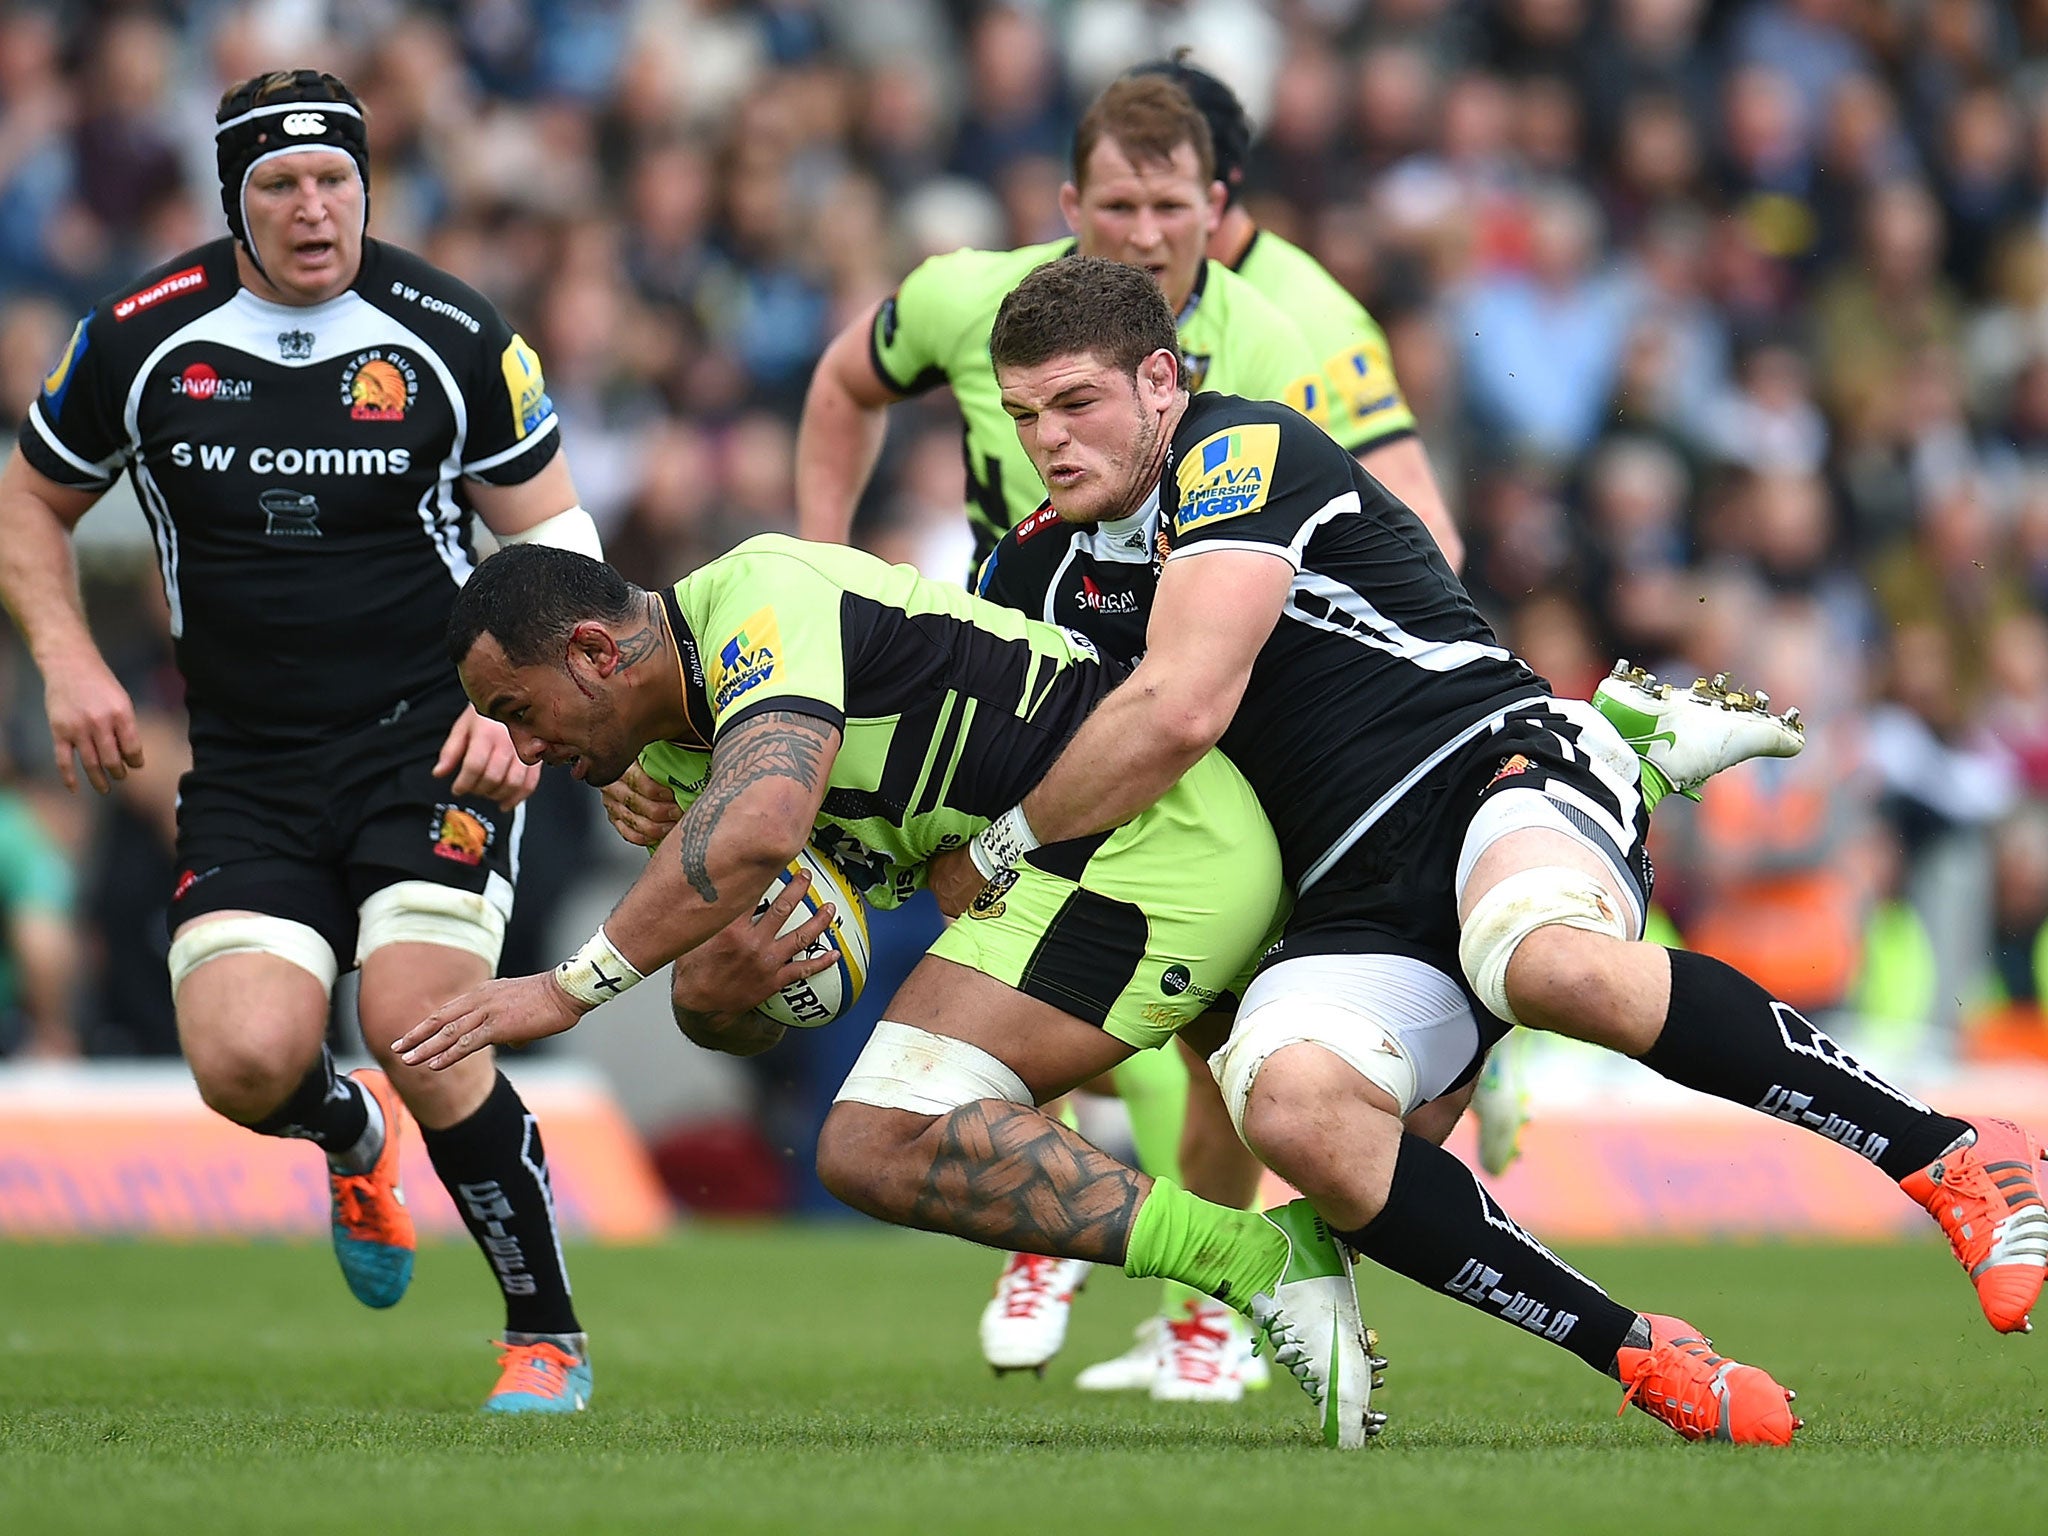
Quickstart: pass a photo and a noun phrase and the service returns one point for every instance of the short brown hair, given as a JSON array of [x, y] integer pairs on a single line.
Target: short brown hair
[[1083, 304], [1149, 117]]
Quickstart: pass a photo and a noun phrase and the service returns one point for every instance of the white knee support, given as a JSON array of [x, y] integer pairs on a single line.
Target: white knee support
[[1516, 908], [1357, 1039], [251, 933], [421, 912], [903, 1067]]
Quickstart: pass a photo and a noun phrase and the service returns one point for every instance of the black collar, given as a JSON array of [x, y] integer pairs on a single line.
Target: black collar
[[690, 664], [1245, 255]]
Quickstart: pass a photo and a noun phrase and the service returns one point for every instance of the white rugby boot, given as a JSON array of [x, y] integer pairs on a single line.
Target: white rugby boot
[[1132, 1371], [1688, 735], [1311, 1325], [1207, 1356], [1025, 1322], [1500, 1102]]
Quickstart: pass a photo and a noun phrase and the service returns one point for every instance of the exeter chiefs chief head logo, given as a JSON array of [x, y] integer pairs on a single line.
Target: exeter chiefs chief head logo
[[379, 386], [461, 834]]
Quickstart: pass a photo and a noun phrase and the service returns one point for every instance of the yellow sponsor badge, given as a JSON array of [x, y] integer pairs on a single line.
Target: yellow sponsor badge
[[60, 376], [1363, 378], [745, 661], [1306, 395], [1226, 474], [524, 386]]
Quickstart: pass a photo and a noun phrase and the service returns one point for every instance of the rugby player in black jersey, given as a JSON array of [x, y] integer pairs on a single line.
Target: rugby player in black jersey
[[309, 417], [1463, 856]]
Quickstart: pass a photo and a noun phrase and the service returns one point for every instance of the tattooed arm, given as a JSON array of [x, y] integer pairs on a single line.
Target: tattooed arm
[[767, 780]]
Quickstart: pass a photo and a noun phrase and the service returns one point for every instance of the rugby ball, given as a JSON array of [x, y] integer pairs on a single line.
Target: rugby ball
[[819, 999]]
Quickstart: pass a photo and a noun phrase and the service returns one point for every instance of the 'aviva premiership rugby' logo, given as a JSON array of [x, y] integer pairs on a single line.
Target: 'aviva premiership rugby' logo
[[1227, 475], [746, 660]]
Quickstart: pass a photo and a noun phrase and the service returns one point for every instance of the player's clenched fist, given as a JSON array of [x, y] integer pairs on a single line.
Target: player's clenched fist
[[640, 807], [91, 715], [514, 1011]]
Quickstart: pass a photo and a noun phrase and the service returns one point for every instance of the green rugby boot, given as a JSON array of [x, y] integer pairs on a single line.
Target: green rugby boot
[[1685, 737], [1312, 1328]]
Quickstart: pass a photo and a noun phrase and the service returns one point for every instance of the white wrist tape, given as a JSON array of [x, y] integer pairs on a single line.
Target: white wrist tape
[[571, 530], [597, 972], [1002, 843]]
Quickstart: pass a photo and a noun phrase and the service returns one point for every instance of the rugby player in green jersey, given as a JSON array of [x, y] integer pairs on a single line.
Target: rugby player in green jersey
[[1144, 193], [1368, 413], [842, 698]]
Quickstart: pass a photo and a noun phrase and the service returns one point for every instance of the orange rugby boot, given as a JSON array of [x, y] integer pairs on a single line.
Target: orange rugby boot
[[373, 1233], [1681, 1381], [1987, 1197]]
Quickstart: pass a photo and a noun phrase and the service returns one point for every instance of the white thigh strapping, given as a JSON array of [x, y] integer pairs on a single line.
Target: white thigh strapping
[[903, 1067], [1521, 810], [422, 912], [252, 933], [1399, 1023]]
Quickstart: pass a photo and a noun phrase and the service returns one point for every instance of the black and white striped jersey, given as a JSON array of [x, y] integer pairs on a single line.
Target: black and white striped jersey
[[1379, 667], [1097, 579], [301, 471]]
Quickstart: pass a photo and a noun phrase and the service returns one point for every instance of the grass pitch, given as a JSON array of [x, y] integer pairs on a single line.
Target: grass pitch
[[784, 1379]]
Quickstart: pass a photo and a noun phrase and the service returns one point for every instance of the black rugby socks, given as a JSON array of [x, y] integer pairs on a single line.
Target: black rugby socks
[[1442, 1230], [333, 1113], [497, 1174], [1727, 1036]]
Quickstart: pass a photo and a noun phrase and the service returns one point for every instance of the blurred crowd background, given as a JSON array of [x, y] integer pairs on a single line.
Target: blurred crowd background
[[1726, 321]]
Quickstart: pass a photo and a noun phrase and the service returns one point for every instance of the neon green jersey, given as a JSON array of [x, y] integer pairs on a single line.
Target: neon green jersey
[[934, 330], [1358, 369], [950, 707]]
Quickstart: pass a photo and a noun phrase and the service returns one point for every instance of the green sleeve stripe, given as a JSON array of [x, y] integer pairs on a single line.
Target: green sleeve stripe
[[953, 762], [924, 793]]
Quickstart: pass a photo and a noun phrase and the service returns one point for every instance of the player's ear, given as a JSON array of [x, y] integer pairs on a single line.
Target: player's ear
[[1070, 205], [1219, 199], [593, 652], [1158, 378]]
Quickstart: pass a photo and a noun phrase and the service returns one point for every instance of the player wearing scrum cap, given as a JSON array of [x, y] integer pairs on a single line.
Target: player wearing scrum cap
[[308, 416]]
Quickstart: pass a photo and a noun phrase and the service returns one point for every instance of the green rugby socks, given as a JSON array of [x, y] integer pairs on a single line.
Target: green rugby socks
[[1231, 1255], [1154, 1088]]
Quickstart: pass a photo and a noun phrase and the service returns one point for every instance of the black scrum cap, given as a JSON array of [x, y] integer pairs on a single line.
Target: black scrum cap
[[279, 114]]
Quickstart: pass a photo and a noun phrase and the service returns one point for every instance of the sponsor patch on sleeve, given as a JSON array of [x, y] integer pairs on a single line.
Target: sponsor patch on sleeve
[[745, 661], [1306, 395], [1363, 378], [524, 386], [1226, 475], [190, 280], [1044, 517], [58, 380]]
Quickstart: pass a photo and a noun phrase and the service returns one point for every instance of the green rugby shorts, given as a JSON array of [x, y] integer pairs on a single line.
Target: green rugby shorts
[[1143, 928]]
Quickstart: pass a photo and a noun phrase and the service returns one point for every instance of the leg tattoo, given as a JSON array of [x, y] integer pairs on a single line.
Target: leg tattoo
[[1009, 1176]]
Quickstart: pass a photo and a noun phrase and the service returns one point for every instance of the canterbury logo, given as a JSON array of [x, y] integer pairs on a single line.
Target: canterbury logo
[[303, 125]]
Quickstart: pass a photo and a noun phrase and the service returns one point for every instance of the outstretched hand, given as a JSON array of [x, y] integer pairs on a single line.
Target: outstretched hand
[[515, 1011]]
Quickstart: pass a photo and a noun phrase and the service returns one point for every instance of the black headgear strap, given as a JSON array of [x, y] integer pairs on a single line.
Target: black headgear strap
[[306, 110]]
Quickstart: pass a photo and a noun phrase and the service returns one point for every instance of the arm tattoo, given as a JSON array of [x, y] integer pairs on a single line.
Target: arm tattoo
[[1011, 1177], [780, 744]]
